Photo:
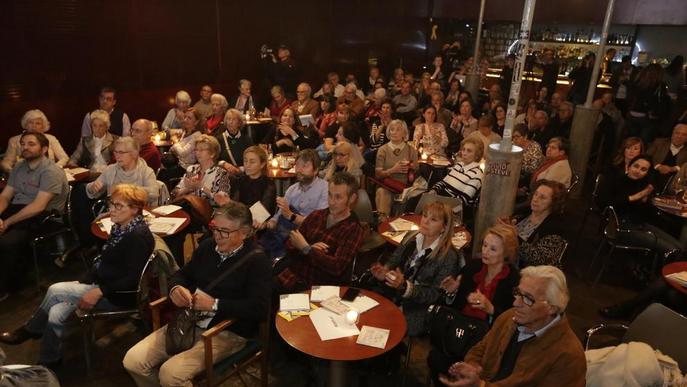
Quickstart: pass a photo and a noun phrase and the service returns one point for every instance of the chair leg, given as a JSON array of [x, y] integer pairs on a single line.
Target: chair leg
[[596, 256], [34, 250], [603, 265], [406, 362], [87, 340]]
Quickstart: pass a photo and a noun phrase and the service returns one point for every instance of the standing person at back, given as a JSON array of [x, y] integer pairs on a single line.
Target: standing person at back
[[119, 121]]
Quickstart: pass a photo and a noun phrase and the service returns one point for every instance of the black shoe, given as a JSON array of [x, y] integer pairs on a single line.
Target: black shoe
[[18, 336], [616, 312]]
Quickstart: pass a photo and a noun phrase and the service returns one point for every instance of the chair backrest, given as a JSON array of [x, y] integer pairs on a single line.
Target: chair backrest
[[611, 221], [668, 188], [164, 196], [574, 180], [456, 204], [595, 204], [663, 329], [363, 207]]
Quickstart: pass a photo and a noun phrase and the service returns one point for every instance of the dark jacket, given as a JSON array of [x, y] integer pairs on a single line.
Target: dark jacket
[[243, 294], [249, 191], [503, 296], [544, 245], [235, 144], [121, 265]]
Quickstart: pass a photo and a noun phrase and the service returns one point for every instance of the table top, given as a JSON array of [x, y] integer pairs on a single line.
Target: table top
[[301, 334], [278, 173], [84, 177], [430, 161], [163, 143], [259, 121], [669, 204], [95, 229], [671, 268], [415, 218]]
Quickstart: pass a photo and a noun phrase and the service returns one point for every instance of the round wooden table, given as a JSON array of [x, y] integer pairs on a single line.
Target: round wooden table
[[668, 204], [98, 232], [415, 218], [282, 178], [671, 268], [84, 177], [301, 335]]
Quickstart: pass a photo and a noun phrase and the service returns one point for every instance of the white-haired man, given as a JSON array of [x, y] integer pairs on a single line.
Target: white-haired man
[[244, 101], [304, 104], [175, 115], [529, 345], [352, 100]]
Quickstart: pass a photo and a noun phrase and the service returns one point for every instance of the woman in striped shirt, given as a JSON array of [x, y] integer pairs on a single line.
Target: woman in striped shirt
[[464, 179]]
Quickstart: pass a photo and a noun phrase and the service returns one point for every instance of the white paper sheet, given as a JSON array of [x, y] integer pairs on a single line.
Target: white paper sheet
[[321, 293], [361, 303], [75, 171], [260, 213], [396, 236], [401, 224], [331, 326], [680, 277], [306, 119], [294, 301], [166, 210], [105, 224], [373, 337], [165, 225]]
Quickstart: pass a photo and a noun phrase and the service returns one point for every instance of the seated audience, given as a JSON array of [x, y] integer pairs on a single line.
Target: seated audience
[[213, 122], [414, 272], [334, 87], [561, 123], [33, 121], [308, 194], [630, 148], [527, 116], [541, 231], [556, 166], [464, 123], [304, 104], [118, 270], [175, 116], [329, 114], [203, 105], [244, 101], [374, 104], [94, 152], [204, 179], [394, 160], [499, 113], [378, 126], [430, 135], [484, 132], [193, 125], [36, 187], [232, 141], [345, 158], [244, 295], [279, 102], [129, 168], [532, 156], [464, 179], [630, 196], [352, 100], [539, 128], [405, 103], [253, 185], [286, 136], [142, 131], [530, 344], [483, 288], [321, 250], [119, 121], [668, 154], [452, 95]]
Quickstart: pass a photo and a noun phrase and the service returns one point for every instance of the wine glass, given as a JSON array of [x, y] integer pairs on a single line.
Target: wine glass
[[679, 186]]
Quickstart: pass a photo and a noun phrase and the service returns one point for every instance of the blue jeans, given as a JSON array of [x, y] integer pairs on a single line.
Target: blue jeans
[[60, 301]]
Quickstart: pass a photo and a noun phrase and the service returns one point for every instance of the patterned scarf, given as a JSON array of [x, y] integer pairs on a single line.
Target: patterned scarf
[[118, 232]]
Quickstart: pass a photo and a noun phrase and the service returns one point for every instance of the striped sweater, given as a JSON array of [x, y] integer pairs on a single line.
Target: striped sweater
[[462, 181]]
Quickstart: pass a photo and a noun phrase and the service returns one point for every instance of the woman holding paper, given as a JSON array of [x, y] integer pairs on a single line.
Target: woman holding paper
[[414, 273], [118, 270], [205, 179], [253, 185], [287, 136]]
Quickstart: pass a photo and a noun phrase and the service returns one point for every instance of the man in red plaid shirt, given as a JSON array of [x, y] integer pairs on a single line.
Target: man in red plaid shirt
[[321, 250]]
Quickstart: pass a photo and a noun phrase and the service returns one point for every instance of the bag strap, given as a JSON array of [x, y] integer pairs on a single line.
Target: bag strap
[[231, 269]]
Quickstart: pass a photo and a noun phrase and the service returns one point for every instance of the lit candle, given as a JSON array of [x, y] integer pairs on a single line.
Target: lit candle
[[424, 156], [157, 138], [352, 316], [275, 163], [482, 165]]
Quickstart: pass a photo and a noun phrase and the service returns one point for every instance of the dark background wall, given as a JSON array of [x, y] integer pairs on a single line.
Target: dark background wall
[[58, 53]]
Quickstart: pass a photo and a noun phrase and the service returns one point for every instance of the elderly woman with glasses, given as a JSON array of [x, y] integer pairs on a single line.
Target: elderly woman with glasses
[[345, 158], [205, 179], [244, 295], [175, 116], [95, 152], [117, 271], [33, 121], [192, 124], [483, 288]]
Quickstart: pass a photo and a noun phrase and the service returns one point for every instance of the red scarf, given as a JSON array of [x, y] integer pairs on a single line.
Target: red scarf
[[487, 289], [547, 163]]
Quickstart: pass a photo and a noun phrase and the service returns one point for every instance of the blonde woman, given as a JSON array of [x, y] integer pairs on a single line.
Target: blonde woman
[[34, 121], [419, 264], [345, 158]]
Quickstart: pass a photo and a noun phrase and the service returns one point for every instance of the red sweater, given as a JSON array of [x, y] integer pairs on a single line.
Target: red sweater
[[151, 155]]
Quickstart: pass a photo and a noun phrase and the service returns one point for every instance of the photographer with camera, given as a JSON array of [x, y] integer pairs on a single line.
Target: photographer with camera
[[280, 70]]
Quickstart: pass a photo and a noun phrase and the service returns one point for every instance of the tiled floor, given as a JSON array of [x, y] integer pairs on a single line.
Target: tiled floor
[[115, 339]]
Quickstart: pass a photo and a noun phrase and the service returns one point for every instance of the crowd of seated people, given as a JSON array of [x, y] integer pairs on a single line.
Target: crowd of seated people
[[369, 136]]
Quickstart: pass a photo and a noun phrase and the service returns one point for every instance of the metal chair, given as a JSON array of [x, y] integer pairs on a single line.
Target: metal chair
[[594, 204], [152, 283], [612, 236], [657, 325], [574, 180]]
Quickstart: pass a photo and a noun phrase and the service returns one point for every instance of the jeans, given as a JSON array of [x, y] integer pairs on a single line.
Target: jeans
[[60, 301]]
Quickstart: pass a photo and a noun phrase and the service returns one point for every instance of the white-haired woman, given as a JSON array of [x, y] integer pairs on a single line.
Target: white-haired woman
[[175, 116], [394, 160], [96, 151], [34, 121], [193, 124], [219, 106]]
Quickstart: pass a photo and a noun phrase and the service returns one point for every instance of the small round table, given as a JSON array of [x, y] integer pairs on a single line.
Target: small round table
[[671, 268], [301, 335], [668, 204], [282, 178], [98, 232], [415, 218]]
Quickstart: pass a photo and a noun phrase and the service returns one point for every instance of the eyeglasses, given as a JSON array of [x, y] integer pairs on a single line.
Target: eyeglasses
[[120, 152], [116, 205], [526, 298], [221, 232], [337, 154]]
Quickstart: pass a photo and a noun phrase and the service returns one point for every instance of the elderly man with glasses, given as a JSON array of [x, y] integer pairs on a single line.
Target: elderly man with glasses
[[531, 344]]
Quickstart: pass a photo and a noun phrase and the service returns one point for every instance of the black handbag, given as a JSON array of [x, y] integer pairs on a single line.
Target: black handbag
[[453, 333], [181, 329]]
